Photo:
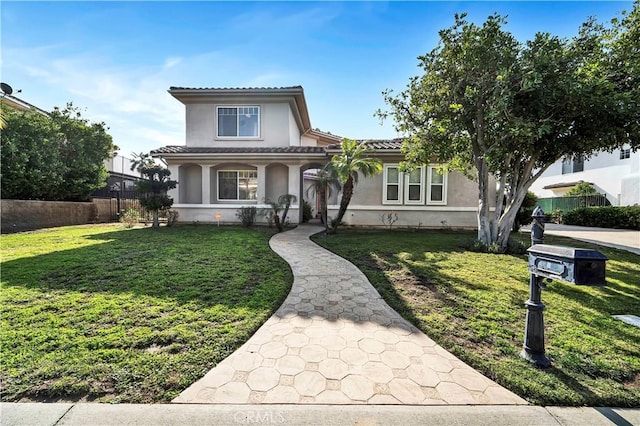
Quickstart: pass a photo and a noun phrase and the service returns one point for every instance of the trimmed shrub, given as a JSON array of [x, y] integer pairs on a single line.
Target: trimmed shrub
[[605, 217], [130, 218], [307, 213], [247, 215]]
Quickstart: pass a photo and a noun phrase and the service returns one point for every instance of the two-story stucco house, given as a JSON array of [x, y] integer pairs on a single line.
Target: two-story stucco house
[[245, 146], [615, 174]]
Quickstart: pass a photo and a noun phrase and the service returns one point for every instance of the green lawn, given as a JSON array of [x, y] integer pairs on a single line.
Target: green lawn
[[102, 312], [472, 304]]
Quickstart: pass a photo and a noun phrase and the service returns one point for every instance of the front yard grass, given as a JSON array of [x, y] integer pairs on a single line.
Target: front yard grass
[[472, 304], [117, 315]]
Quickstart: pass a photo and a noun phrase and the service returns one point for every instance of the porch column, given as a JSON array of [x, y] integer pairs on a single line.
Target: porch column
[[261, 192], [294, 180], [175, 175], [206, 183]]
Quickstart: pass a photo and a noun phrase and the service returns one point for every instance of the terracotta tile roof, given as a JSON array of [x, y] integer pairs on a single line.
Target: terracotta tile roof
[[376, 144], [181, 149], [236, 89]]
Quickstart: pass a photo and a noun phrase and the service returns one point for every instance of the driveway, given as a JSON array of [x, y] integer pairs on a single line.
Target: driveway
[[623, 239]]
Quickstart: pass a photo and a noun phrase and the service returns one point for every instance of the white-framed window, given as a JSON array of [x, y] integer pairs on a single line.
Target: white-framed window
[[572, 164], [625, 153], [392, 185], [238, 121], [237, 185], [436, 185], [414, 186]]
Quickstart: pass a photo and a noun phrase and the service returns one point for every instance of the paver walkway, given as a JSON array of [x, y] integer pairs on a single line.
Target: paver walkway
[[335, 341]]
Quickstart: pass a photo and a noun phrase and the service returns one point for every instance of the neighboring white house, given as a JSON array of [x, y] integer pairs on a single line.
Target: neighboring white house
[[245, 146], [616, 175]]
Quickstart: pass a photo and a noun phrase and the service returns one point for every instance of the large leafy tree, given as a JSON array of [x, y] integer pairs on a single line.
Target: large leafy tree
[[347, 166], [84, 148], [55, 157], [491, 106], [153, 189]]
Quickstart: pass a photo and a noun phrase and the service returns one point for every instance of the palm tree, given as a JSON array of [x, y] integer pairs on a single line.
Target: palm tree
[[348, 165], [325, 182], [140, 161]]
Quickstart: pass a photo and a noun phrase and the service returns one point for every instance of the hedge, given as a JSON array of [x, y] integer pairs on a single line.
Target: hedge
[[604, 217]]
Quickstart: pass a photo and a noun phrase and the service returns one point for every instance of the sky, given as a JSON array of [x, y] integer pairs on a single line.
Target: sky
[[116, 60]]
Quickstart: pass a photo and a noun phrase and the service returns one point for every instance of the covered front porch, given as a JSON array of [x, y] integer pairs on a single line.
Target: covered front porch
[[213, 186]]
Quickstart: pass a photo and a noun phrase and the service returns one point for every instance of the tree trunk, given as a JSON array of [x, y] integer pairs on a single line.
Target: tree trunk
[[323, 208], [484, 219], [347, 193], [276, 219], [156, 222]]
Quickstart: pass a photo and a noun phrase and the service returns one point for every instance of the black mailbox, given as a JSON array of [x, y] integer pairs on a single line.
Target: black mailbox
[[569, 264]]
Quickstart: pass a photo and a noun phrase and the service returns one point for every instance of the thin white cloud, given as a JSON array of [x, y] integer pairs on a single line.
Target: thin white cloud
[[171, 62]]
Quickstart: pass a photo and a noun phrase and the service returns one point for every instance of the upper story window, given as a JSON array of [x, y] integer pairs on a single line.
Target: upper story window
[[625, 153], [572, 165], [239, 122], [412, 187], [238, 185]]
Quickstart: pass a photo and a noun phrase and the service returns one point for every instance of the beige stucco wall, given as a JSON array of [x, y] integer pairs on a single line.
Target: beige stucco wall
[[190, 184], [207, 213], [277, 181], [277, 125], [461, 192]]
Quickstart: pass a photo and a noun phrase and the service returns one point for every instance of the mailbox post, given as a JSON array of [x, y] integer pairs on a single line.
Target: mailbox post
[[533, 348], [567, 264]]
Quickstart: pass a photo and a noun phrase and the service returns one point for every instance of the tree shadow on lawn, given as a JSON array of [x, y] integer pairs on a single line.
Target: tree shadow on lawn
[[419, 290], [186, 264]]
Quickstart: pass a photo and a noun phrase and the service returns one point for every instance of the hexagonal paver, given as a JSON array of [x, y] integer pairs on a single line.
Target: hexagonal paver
[[353, 356], [437, 363], [386, 336], [273, 350], [290, 364], [333, 368], [357, 387], [453, 393], [333, 397], [313, 353], [219, 375], [232, 392], [470, 379], [315, 331], [351, 334], [247, 362], [371, 346], [407, 391], [395, 359], [309, 383], [363, 311], [409, 349], [295, 340], [280, 329], [334, 342], [377, 372], [422, 375], [282, 395], [263, 379]]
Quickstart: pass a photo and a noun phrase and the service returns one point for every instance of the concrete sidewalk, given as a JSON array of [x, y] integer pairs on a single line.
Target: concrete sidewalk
[[334, 340], [34, 414], [623, 239]]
